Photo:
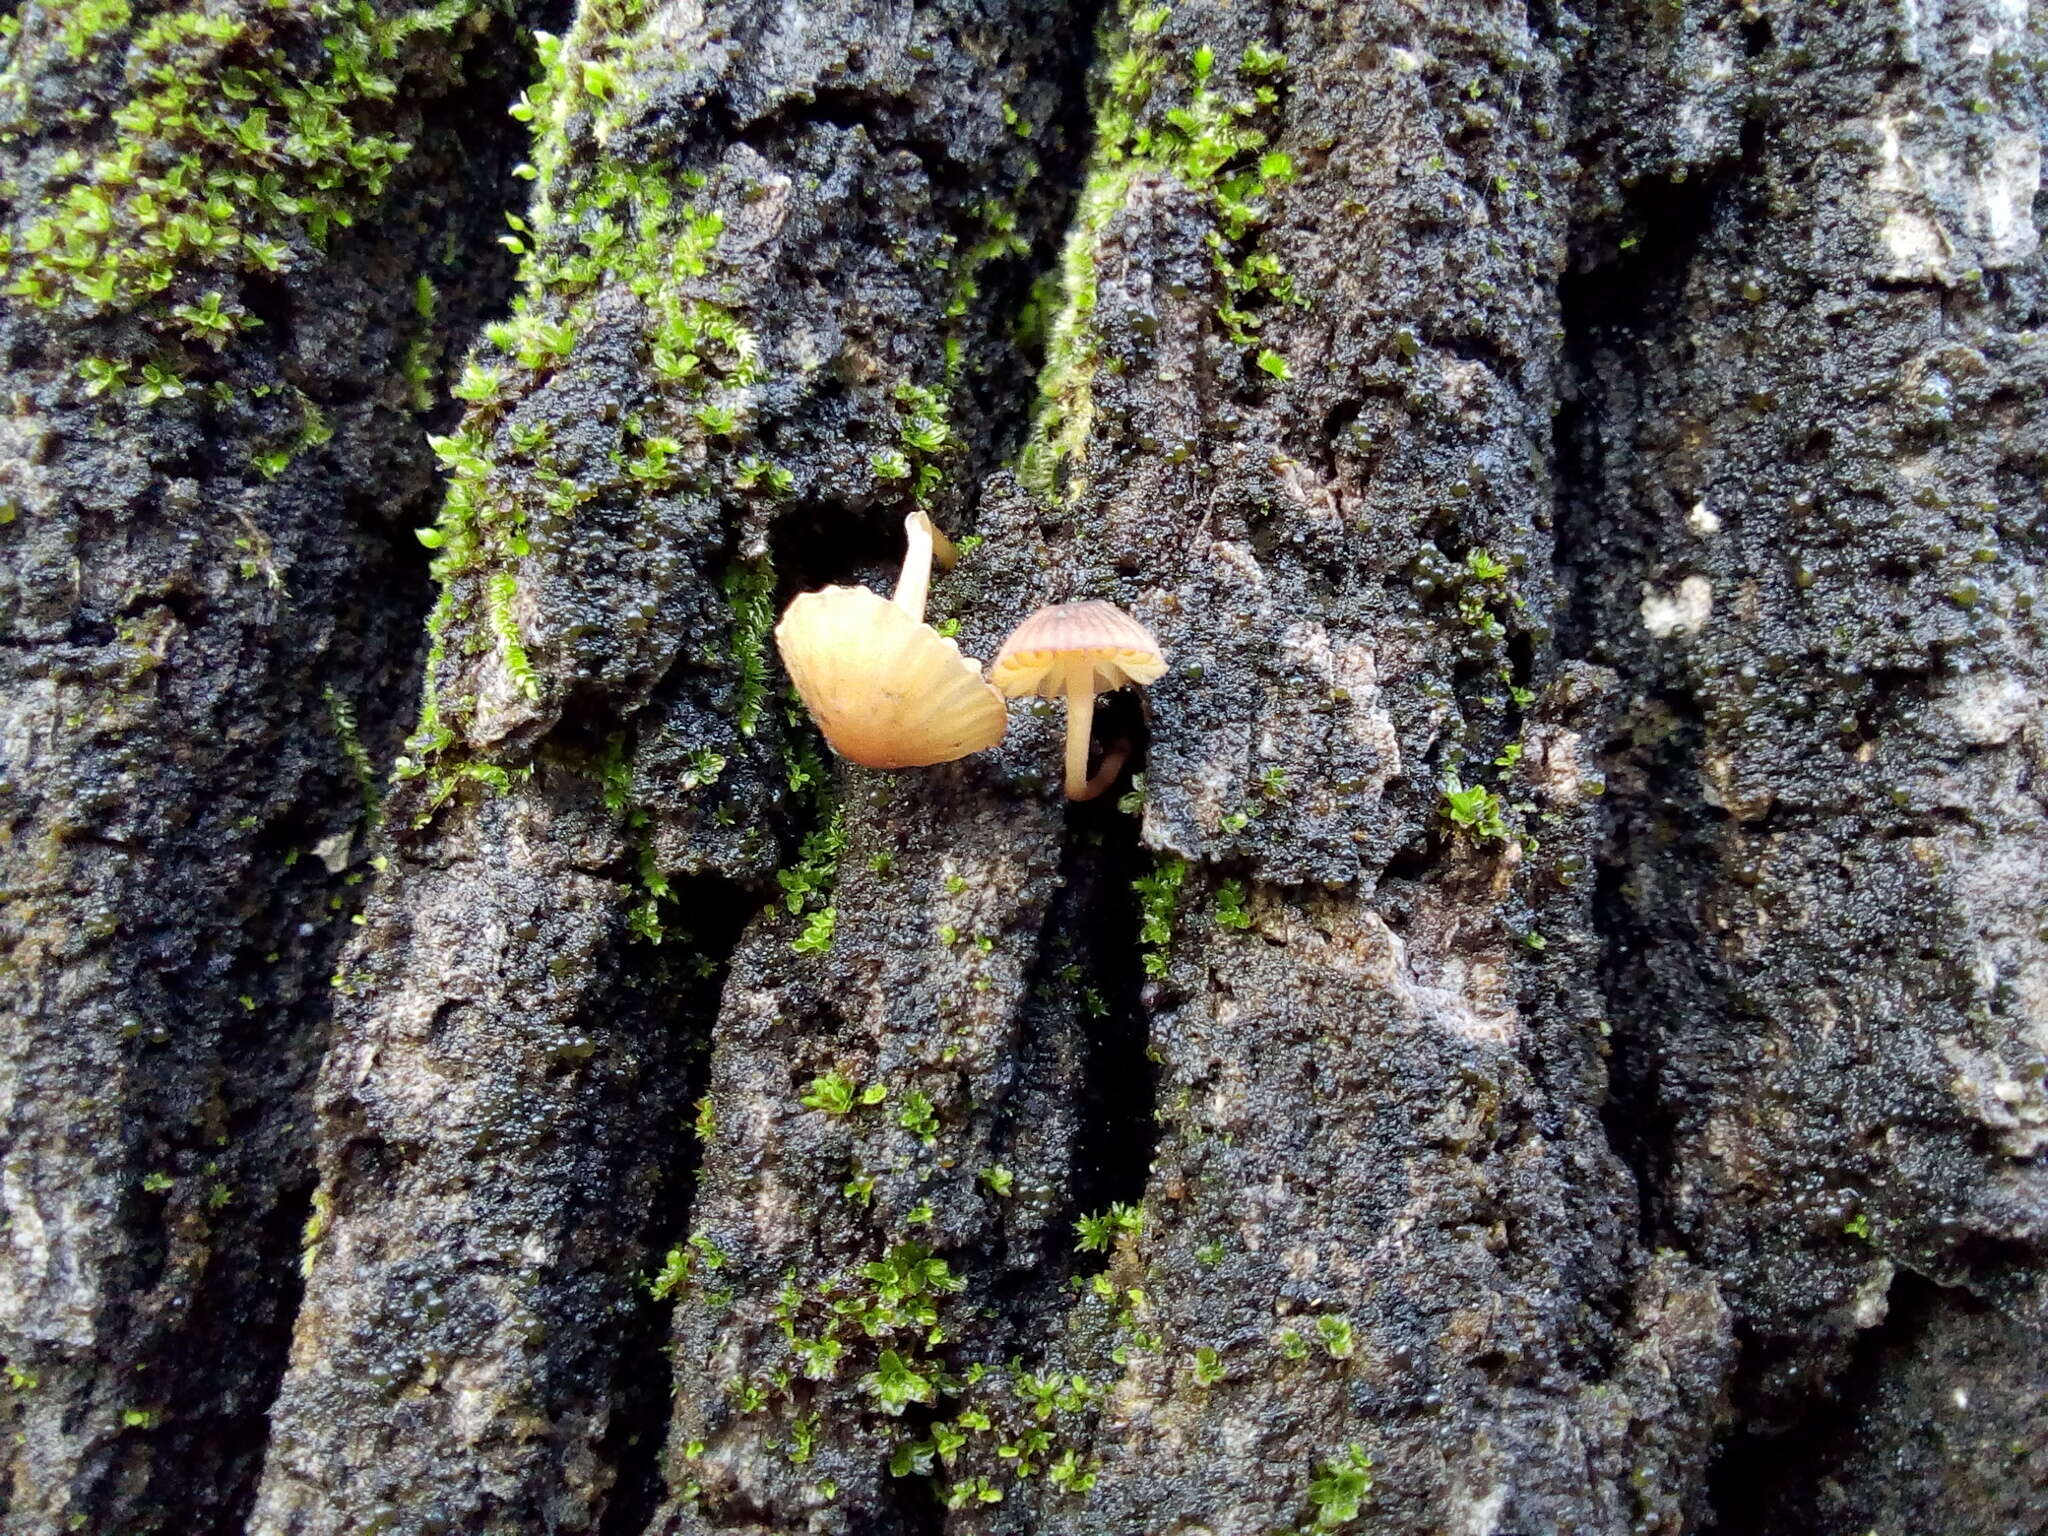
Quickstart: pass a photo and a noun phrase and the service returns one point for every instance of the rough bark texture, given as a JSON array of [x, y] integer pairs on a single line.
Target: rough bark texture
[[1550, 1031], [1806, 522], [211, 622]]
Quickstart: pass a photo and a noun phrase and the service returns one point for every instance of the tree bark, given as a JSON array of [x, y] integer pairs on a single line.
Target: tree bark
[[1549, 1030], [211, 612]]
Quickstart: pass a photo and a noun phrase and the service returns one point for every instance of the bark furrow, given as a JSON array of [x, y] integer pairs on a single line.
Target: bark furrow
[[240, 249]]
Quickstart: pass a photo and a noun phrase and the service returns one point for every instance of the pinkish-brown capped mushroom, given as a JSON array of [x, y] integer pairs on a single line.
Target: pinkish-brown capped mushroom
[[1074, 651], [888, 690]]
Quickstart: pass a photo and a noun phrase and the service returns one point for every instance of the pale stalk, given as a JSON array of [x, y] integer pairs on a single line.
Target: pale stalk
[[916, 581], [1080, 723], [1112, 764]]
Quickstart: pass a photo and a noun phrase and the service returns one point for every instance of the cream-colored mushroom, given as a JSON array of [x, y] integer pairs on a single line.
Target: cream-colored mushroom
[[1075, 651], [887, 689]]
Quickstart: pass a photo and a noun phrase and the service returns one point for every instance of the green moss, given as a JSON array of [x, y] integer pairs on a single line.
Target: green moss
[[1094, 1234], [999, 239], [341, 716], [749, 587], [314, 431], [1000, 1180], [504, 589], [1211, 140], [1231, 911], [927, 438], [807, 884], [315, 1229], [595, 224], [1474, 810], [670, 1278], [1335, 1332], [248, 136], [918, 1117], [1338, 1492], [1158, 899], [834, 1093], [1066, 407]]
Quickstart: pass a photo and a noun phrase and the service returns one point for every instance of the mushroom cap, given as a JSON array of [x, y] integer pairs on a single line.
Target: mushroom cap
[[888, 690], [1033, 659]]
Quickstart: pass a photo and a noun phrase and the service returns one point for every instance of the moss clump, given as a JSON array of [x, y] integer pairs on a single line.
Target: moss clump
[[341, 716], [749, 587], [1213, 140], [1231, 908], [807, 884], [1474, 810], [1066, 407], [246, 136], [1339, 1490], [1158, 900], [315, 1229]]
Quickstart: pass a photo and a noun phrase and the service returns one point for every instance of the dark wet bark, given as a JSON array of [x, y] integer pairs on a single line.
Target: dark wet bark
[[211, 611], [1548, 1033]]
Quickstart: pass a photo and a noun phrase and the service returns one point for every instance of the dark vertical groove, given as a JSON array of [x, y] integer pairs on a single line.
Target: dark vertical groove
[[1119, 1126], [267, 1346], [372, 666], [674, 987], [1614, 316], [1767, 1482]]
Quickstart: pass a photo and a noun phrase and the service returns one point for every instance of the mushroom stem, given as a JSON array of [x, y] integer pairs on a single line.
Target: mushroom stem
[[916, 580], [1080, 726], [1113, 759]]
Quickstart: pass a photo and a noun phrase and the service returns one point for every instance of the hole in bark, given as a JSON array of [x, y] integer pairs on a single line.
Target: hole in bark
[[917, 1502], [1775, 1483], [819, 544], [269, 300]]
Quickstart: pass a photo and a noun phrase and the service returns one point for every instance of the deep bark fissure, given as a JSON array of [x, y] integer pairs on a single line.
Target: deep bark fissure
[[687, 986], [1765, 1479], [1087, 970], [1119, 1125], [393, 611], [1614, 313], [268, 1346]]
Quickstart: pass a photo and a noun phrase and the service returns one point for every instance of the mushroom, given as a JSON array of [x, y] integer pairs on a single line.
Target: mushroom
[[887, 689], [1075, 651]]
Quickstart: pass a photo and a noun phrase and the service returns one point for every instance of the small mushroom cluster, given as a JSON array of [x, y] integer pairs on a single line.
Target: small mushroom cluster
[[889, 691]]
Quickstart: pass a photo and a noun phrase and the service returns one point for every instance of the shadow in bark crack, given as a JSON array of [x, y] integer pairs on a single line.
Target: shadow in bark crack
[[675, 987], [1770, 1484], [1113, 1153], [240, 1440]]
